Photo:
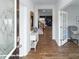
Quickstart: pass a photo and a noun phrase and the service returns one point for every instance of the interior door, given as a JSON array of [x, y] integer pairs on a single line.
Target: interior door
[[63, 27]]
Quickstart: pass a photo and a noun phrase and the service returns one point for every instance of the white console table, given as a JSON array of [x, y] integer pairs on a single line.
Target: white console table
[[34, 39]]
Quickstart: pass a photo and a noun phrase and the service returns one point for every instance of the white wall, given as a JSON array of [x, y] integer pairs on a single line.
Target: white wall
[[55, 26], [61, 4], [25, 9], [57, 7], [73, 12], [36, 17]]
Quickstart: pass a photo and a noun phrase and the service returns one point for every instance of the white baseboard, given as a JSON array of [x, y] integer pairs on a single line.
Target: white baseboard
[[25, 54], [57, 42]]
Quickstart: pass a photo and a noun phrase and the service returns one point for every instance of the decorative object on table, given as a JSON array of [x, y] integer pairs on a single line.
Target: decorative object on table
[[35, 29]]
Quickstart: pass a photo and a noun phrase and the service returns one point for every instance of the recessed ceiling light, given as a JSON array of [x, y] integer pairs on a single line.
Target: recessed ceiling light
[[43, 10]]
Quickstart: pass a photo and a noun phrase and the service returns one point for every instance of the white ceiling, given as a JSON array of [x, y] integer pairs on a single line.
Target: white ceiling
[[44, 2], [73, 5]]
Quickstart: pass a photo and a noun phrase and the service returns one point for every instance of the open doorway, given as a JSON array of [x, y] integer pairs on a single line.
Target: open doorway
[[45, 21]]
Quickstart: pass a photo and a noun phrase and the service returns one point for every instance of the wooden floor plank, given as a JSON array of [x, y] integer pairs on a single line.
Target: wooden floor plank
[[48, 49]]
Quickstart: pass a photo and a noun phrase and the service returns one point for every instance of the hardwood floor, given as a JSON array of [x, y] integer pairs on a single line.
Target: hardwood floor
[[48, 49]]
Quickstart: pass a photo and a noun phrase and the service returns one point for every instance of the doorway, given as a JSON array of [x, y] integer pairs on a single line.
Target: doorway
[[45, 21]]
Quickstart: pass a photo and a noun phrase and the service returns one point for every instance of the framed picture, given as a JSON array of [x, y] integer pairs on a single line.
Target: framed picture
[[32, 19]]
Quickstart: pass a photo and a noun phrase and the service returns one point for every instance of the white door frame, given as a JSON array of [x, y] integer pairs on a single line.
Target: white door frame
[[62, 41]]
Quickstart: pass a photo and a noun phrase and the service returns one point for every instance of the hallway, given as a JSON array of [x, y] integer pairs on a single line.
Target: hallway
[[48, 49]]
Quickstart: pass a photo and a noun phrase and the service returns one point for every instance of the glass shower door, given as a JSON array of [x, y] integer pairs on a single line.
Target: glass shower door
[[7, 27]]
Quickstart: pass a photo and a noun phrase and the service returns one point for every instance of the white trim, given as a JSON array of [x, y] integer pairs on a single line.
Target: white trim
[[25, 54], [7, 57], [15, 29], [64, 12], [59, 27]]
